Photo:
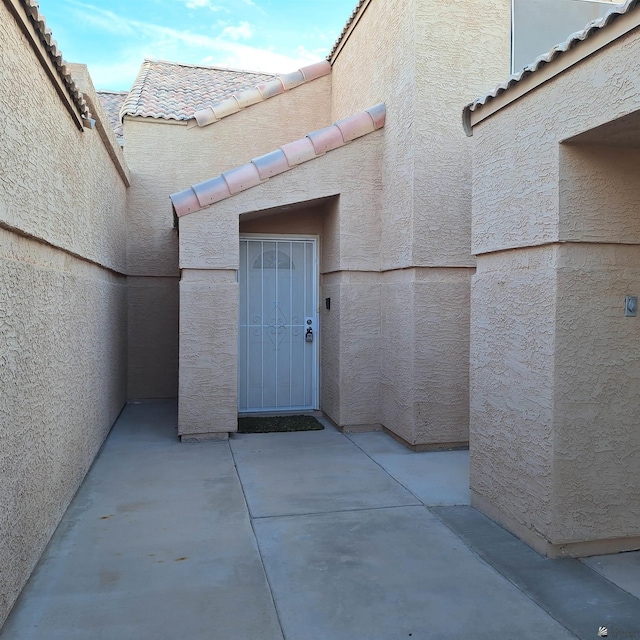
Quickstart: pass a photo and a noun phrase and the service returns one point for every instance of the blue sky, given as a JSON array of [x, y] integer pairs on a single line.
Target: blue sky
[[114, 36]]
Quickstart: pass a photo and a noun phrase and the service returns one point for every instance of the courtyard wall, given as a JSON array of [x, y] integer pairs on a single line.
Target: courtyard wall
[[62, 301]]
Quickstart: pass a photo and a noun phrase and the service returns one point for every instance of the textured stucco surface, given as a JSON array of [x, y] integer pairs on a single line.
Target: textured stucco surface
[[352, 172], [165, 158], [377, 64], [152, 337], [554, 364], [599, 194], [62, 306], [441, 345], [517, 155], [460, 50], [62, 375], [184, 155], [350, 348], [208, 395], [61, 187], [596, 441], [513, 307], [421, 59], [423, 383]]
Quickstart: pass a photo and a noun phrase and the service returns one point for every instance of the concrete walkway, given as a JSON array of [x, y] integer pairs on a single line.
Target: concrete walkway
[[314, 535]]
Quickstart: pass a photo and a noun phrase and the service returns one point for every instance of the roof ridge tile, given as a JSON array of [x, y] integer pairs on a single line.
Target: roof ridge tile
[[134, 97], [284, 82], [288, 156], [32, 10], [346, 28]]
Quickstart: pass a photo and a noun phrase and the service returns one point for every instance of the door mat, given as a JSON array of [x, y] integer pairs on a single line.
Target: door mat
[[278, 424]]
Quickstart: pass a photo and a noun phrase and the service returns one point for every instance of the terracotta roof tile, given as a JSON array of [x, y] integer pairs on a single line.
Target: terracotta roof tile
[[574, 39], [51, 46], [287, 157], [173, 91], [347, 27], [263, 91], [112, 102]]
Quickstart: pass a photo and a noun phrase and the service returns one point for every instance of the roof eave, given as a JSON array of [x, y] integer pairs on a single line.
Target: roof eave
[[259, 170], [31, 22], [348, 29], [480, 110]]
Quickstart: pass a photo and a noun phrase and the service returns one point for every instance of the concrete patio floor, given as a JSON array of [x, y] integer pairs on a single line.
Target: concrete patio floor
[[314, 535]]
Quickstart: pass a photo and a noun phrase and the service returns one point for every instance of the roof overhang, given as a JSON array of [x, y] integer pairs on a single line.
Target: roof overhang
[[348, 29], [543, 71], [32, 24]]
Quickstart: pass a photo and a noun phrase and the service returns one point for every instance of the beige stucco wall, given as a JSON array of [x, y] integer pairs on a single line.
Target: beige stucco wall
[[596, 401], [62, 306], [554, 362], [424, 59], [513, 306], [152, 330], [165, 157], [347, 224], [377, 64]]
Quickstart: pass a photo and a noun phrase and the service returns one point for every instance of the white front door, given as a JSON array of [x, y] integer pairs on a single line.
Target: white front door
[[278, 324]]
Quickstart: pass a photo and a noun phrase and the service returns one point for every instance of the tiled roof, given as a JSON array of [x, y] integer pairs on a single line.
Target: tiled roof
[[51, 46], [347, 27], [262, 91], [112, 102], [574, 39], [173, 91], [287, 157]]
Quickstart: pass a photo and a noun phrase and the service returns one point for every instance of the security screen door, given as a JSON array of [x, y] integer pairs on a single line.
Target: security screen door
[[278, 324]]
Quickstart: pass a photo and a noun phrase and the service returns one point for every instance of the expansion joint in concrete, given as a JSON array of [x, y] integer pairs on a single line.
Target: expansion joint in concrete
[[257, 542], [333, 511]]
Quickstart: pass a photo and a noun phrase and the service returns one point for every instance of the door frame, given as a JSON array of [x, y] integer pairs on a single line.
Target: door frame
[[276, 237]]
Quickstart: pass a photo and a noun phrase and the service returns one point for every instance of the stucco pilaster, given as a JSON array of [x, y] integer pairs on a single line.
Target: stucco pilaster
[[208, 380]]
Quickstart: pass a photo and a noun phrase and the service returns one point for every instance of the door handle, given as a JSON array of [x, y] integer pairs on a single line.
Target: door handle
[[308, 336]]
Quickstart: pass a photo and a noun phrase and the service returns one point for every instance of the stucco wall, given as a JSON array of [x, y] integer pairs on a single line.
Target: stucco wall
[[513, 302], [152, 331], [554, 364], [424, 59], [441, 343], [62, 306], [516, 151], [596, 403], [348, 226], [461, 49], [165, 157], [377, 64]]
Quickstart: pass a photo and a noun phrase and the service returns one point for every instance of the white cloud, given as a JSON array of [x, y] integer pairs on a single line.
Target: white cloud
[[240, 56], [119, 70], [243, 31], [202, 4], [103, 19]]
